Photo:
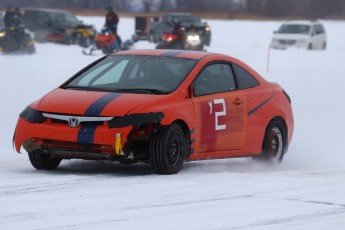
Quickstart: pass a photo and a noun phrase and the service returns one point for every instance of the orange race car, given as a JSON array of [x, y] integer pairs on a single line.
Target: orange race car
[[158, 106]]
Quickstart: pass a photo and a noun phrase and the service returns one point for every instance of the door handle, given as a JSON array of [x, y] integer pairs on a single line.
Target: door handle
[[237, 101]]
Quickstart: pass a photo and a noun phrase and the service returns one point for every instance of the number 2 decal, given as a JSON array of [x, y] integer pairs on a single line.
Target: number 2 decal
[[219, 113]]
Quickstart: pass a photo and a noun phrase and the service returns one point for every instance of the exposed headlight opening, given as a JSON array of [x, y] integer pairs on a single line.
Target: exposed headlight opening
[[31, 115]]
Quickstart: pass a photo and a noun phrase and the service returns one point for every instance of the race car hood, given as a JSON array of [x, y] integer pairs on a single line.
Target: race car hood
[[91, 103]]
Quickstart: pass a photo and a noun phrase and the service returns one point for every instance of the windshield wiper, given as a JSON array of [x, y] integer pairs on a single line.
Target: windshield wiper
[[134, 90], [143, 90], [75, 87]]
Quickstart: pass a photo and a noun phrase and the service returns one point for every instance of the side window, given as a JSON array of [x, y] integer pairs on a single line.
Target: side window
[[244, 79], [322, 29], [313, 30], [29, 18], [319, 29], [43, 19], [215, 78], [167, 19]]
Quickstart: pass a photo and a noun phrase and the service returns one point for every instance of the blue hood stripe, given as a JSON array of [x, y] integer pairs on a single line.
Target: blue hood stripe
[[97, 107], [87, 131]]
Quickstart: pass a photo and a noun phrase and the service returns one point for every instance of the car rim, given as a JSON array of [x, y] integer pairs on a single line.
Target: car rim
[[275, 144], [175, 148]]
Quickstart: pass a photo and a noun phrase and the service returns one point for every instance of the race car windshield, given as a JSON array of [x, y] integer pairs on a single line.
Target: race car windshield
[[134, 74], [294, 29]]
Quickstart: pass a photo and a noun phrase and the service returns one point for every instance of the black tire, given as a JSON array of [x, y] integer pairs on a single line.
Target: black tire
[[275, 143], [310, 46], [168, 149], [40, 160], [324, 46]]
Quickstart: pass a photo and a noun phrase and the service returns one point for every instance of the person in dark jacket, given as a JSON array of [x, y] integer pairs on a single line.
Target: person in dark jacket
[[9, 17], [17, 16], [111, 20], [14, 28], [178, 31]]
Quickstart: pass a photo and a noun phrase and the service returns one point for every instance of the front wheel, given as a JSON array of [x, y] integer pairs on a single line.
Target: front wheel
[[274, 143], [168, 149], [40, 160], [310, 46]]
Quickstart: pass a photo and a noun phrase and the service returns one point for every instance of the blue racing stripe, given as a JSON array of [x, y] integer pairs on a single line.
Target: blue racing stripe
[[97, 107], [173, 53], [87, 131], [259, 106]]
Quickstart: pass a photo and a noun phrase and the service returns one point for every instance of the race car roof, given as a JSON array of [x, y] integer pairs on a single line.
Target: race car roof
[[168, 53]]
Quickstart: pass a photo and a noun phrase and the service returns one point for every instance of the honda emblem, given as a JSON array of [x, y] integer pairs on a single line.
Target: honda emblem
[[73, 122]]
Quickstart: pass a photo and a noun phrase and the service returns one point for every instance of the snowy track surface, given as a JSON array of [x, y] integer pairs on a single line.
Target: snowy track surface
[[305, 192]]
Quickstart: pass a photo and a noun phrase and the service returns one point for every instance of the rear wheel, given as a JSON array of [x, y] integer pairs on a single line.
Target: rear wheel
[[324, 46], [274, 143], [41, 160], [167, 150]]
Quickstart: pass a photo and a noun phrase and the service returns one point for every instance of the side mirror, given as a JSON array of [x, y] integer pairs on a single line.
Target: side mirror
[[275, 32]]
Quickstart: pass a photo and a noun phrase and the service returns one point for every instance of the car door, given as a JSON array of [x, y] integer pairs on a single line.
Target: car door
[[317, 37], [220, 110], [314, 40], [320, 36]]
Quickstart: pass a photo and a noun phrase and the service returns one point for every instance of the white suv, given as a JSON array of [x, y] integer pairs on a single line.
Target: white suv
[[302, 34]]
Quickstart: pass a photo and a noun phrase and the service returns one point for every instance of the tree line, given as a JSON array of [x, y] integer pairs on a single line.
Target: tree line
[[309, 9]]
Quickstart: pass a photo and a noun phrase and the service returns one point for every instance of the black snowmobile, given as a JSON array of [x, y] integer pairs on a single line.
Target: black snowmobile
[[17, 39]]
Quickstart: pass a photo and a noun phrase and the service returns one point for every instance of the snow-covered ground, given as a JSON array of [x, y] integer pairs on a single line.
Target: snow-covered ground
[[305, 192]]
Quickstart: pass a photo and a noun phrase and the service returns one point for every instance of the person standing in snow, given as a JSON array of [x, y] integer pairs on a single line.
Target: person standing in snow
[[9, 16], [111, 20], [18, 16]]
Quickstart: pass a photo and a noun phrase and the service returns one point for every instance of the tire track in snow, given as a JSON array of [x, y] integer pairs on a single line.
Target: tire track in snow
[[85, 224], [186, 202], [318, 202], [62, 185], [296, 218]]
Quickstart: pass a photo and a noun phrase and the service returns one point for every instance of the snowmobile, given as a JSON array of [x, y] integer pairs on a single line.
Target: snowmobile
[[107, 42], [17, 39], [191, 40], [83, 35]]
